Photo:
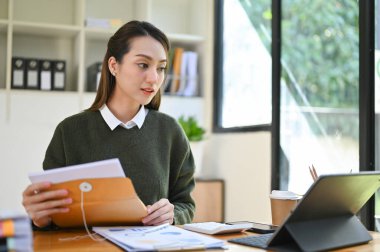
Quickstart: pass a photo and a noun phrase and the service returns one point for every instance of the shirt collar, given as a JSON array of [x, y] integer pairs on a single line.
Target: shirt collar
[[113, 122]]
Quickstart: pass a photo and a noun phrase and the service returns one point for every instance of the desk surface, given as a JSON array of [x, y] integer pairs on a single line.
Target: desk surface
[[52, 241]]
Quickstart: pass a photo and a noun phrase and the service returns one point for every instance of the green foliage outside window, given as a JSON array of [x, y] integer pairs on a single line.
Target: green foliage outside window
[[320, 50]]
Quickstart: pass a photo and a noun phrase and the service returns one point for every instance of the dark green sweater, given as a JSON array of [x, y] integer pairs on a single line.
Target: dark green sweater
[[156, 157]]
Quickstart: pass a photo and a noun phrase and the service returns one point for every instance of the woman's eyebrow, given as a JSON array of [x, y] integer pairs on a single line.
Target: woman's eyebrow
[[149, 57]]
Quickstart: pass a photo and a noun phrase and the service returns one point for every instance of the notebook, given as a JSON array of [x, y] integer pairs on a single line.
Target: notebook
[[325, 218]]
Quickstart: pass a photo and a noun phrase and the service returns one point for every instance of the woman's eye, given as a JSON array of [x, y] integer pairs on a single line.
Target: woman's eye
[[143, 65], [161, 69]]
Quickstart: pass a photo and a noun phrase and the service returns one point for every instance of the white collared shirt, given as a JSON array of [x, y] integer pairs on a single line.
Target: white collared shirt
[[113, 122]]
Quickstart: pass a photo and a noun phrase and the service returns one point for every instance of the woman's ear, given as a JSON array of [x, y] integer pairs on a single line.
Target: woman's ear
[[112, 65]]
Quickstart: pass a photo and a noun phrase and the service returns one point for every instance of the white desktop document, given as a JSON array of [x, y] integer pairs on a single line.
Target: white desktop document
[[164, 238], [109, 168]]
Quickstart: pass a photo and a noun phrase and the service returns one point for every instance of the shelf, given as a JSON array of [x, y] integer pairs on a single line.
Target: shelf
[[49, 30], [3, 105], [65, 12], [42, 93], [184, 16], [3, 58], [3, 9], [98, 33], [185, 38], [46, 29], [3, 25], [111, 9]]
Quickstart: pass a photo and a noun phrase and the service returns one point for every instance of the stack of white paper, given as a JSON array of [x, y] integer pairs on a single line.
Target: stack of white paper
[[167, 237], [110, 168]]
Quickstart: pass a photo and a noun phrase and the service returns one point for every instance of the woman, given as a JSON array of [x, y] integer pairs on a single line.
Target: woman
[[124, 122]]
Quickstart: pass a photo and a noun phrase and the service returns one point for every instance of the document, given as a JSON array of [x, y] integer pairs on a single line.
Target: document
[[161, 238], [100, 169]]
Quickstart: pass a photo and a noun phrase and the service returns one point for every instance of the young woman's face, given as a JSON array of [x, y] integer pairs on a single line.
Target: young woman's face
[[141, 72]]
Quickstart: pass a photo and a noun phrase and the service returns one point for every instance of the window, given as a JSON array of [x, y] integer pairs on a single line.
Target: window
[[319, 122], [318, 79], [243, 72]]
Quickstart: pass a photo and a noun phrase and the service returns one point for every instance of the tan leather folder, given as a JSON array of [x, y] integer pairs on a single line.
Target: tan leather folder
[[106, 201]]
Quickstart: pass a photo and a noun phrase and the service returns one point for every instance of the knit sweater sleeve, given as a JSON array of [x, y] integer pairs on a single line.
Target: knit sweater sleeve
[[55, 153], [184, 206], [183, 184]]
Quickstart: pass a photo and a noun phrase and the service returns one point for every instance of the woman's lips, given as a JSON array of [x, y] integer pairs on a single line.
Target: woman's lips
[[147, 91]]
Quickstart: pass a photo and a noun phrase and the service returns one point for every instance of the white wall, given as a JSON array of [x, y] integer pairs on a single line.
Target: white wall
[[243, 161], [26, 127]]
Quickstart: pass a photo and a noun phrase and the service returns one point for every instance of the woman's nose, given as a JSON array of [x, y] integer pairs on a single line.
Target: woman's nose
[[152, 76]]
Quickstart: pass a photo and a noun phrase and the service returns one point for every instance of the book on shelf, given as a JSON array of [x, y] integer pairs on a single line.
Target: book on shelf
[[177, 60], [18, 72], [32, 80], [46, 75], [59, 74], [192, 83], [169, 72], [42, 74], [103, 23], [93, 76], [182, 75]]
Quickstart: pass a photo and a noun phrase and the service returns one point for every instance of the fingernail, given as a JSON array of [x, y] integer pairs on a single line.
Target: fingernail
[[64, 192], [68, 200], [65, 210]]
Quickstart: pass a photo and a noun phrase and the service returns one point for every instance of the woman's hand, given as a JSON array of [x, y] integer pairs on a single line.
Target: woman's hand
[[159, 213], [40, 203]]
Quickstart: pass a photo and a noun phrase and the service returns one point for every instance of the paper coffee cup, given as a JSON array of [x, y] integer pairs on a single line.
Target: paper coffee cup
[[282, 204]]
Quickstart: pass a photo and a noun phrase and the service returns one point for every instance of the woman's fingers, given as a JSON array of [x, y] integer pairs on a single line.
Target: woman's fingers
[[160, 212], [36, 188], [35, 216], [40, 203], [51, 204], [48, 195], [161, 219]]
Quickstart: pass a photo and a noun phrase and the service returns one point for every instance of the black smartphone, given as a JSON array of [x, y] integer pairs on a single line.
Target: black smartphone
[[259, 228]]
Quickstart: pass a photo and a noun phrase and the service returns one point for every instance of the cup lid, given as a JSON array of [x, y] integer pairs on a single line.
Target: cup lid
[[276, 194]]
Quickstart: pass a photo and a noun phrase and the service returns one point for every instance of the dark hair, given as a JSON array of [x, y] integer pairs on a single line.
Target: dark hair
[[118, 45]]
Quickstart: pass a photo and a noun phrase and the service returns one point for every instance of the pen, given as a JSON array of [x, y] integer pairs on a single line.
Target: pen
[[157, 228], [313, 172]]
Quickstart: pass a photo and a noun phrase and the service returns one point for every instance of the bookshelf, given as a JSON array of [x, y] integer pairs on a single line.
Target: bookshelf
[[55, 29]]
